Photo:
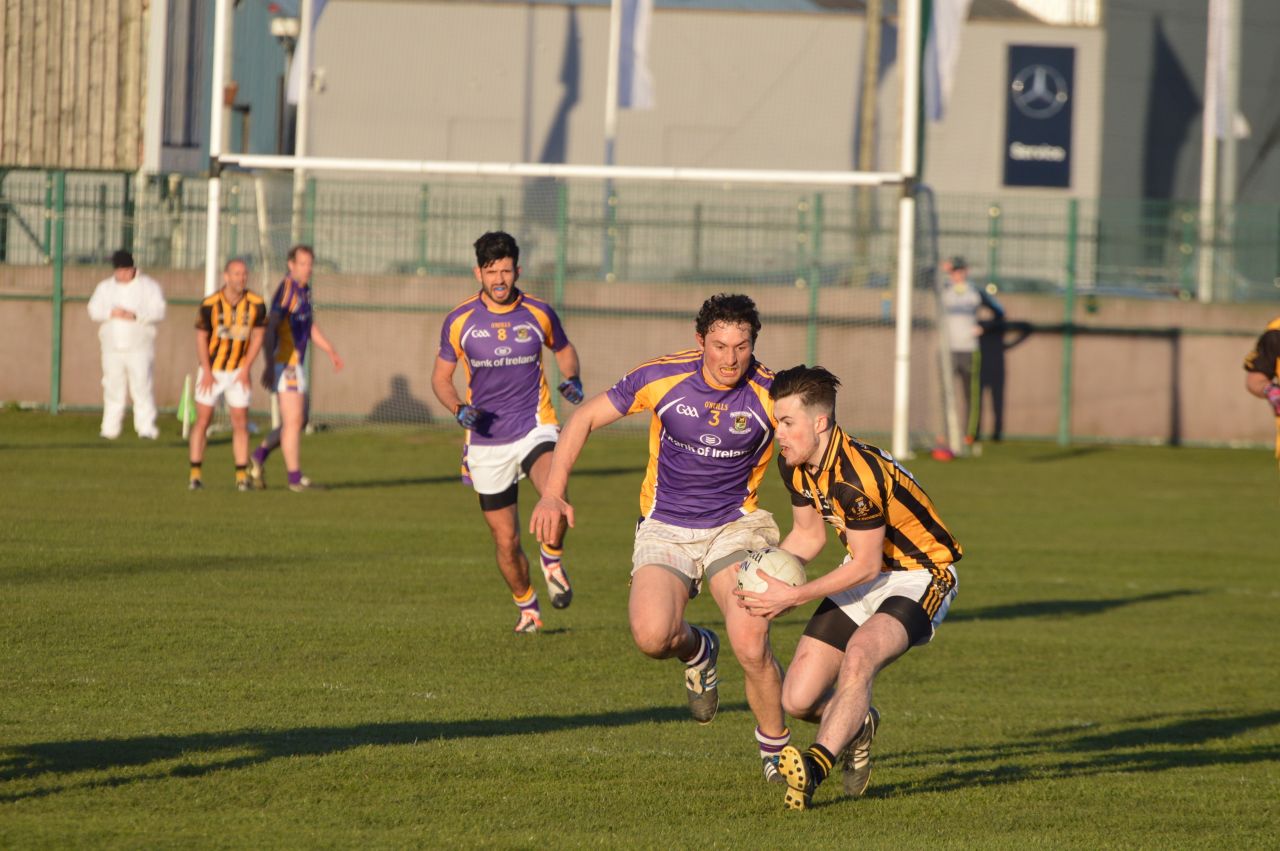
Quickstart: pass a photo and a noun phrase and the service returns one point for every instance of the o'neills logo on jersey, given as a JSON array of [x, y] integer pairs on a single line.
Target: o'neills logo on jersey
[[741, 422]]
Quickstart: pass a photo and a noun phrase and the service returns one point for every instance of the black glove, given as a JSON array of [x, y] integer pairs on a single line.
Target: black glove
[[571, 389], [469, 416]]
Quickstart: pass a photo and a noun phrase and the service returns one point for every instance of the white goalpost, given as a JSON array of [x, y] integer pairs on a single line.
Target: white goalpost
[[905, 268]]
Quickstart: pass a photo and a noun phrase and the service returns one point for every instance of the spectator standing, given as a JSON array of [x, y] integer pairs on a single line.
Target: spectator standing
[[128, 306]]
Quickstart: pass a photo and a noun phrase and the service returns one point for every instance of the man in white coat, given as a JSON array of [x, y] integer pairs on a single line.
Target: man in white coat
[[128, 305]]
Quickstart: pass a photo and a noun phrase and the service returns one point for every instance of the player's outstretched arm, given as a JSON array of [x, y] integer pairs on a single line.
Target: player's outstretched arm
[[596, 412], [318, 337]]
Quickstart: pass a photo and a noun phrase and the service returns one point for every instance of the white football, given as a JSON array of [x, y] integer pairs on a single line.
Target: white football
[[779, 564]]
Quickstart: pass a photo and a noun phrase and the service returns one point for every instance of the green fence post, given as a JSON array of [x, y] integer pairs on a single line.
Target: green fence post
[[424, 215], [101, 212], [562, 242], [233, 235], [994, 214], [802, 238], [697, 238], [58, 196], [1187, 250], [815, 278], [4, 219], [129, 210], [46, 247], [608, 267], [309, 213], [1068, 326]]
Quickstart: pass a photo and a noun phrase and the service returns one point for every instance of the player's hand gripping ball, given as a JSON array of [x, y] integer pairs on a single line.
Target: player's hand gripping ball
[[571, 389], [778, 563]]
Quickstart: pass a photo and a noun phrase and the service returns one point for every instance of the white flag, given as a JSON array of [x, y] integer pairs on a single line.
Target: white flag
[[296, 74], [1219, 55], [941, 51], [635, 83]]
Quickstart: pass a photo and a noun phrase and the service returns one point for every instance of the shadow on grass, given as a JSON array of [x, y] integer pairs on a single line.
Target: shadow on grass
[[70, 568], [106, 445], [194, 754], [1135, 746], [455, 477], [1067, 454], [1061, 608]]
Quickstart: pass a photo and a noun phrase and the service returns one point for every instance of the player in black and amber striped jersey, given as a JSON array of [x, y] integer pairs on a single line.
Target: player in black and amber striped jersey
[[229, 331], [891, 591], [1262, 367]]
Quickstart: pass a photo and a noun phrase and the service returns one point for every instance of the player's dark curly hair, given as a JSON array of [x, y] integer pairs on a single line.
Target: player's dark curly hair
[[301, 249], [815, 386], [729, 309], [494, 246]]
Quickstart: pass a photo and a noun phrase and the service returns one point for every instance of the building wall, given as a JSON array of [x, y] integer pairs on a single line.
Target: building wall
[[1180, 378], [1154, 93], [71, 83], [965, 151], [500, 82], [256, 68]]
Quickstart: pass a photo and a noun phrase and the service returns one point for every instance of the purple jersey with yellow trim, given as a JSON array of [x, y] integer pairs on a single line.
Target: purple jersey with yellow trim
[[292, 302], [501, 349], [709, 446]]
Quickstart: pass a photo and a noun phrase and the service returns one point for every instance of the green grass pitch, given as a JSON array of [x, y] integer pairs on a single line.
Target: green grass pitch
[[337, 669]]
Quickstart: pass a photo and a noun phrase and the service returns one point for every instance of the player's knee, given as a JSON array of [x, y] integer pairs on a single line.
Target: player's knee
[[507, 547], [804, 707], [753, 654], [654, 640]]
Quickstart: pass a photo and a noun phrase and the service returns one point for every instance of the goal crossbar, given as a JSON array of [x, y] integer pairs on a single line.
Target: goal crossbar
[[275, 162]]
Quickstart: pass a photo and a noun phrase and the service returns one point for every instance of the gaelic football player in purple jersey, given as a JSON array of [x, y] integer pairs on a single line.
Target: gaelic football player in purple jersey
[[711, 437], [498, 335]]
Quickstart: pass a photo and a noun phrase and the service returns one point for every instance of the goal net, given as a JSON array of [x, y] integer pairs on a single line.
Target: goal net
[[625, 262]]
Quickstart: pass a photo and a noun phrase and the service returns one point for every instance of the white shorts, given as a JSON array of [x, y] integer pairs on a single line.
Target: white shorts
[[224, 385], [689, 553], [921, 593], [291, 379], [495, 467]]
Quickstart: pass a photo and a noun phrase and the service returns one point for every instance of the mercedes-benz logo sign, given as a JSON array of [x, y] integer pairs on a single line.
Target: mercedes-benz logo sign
[[1039, 91]]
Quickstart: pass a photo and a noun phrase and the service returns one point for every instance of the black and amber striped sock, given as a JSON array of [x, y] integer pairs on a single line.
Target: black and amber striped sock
[[242, 472], [195, 470], [821, 761]]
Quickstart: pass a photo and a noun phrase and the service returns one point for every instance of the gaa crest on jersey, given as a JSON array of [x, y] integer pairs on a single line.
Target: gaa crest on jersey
[[741, 422], [862, 509], [522, 334]]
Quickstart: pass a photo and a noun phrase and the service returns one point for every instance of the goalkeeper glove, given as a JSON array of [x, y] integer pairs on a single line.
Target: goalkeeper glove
[[1273, 396], [571, 389], [469, 416]]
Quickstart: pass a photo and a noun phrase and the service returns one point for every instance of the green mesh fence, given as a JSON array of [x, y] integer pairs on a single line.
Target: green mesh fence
[[626, 263]]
